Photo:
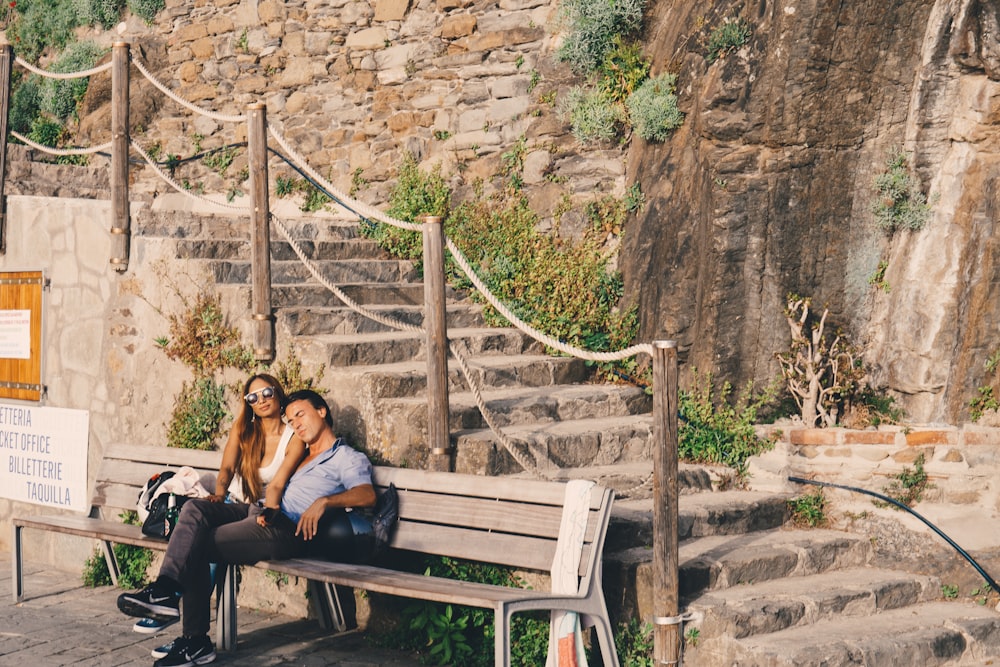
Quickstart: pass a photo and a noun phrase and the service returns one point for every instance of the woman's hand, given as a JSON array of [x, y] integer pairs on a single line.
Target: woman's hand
[[216, 498]]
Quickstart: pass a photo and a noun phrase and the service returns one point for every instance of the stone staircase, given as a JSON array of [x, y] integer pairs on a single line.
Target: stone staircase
[[764, 594], [761, 593]]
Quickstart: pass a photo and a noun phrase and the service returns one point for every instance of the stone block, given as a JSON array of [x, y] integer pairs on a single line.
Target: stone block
[[252, 84], [980, 436], [393, 57], [502, 110], [953, 456], [510, 86], [931, 437], [188, 72], [852, 437], [294, 44], [203, 49], [842, 452], [391, 10], [271, 11], [814, 436], [318, 43], [368, 39], [197, 92], [448, 5], [459, 25], [297, 72], [910, 454], [219, 24], [189, 33], [873, 454], [400, 122]]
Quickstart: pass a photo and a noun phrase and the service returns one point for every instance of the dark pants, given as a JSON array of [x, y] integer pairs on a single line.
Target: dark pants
[[225, 533]]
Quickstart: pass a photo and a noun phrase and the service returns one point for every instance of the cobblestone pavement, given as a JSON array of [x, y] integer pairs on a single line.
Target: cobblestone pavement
[[62, 623]]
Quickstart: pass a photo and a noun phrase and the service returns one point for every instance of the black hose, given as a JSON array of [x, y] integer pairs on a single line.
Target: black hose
[[989, 580]]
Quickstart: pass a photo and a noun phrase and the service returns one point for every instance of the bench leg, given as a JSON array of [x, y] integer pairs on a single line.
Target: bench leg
[[328, 607], [501, 637], [109, 558], [17, 567], [225, 622], [606, 638]]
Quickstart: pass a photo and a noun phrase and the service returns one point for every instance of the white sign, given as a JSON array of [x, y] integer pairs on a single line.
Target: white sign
[[43, 456], [15, 334]]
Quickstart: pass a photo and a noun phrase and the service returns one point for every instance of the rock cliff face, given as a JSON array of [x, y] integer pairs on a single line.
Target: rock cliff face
[[767, 189]]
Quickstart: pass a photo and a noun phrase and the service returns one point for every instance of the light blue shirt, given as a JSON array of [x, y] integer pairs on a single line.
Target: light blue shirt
[[334, 471]]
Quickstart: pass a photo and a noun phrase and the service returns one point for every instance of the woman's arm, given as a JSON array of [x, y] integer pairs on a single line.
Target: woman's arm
[[230, 459], [294, 453]]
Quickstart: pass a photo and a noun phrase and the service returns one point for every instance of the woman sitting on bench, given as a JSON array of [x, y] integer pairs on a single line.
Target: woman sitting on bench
[[258, 442]]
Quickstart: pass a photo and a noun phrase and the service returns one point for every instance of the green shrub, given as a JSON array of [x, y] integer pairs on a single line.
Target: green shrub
[[60, 97], [41, 25], [592, 28], [592, 116], [201, 339], [652, 109], [808, 509], [715, 429], [727, 37], [104, 13], [146, 9], [464, 636], [198, 413], [908, 485], [899, 203], [25, 104], [623, 69], [46, 131], [415, 194], [634, 644]]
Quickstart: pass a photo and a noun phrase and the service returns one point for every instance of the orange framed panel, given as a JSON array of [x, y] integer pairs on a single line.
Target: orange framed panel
[[21, 335]]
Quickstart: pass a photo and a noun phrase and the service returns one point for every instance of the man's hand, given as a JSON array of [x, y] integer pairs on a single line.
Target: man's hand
[[309, 521]]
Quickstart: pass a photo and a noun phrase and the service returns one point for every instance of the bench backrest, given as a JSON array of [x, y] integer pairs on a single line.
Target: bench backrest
[[503, 520], [125, 469]]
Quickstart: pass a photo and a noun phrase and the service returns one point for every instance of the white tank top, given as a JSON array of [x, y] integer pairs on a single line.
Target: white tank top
[[267, 473]]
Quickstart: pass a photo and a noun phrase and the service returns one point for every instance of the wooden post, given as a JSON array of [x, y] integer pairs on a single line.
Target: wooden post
[[666, 622], [260, 234], [120, 224], [437, 345], [6, 59]]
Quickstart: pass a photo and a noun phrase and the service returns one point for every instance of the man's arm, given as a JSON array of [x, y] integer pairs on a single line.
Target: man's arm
[[362, 495]]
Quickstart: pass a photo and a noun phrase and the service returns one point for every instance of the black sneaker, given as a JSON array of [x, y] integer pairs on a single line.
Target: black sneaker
[[153, 601], [187, 652], [163, 651]]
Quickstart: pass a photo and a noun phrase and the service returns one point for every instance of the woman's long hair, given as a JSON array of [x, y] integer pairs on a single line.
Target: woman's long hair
[[253, 439]]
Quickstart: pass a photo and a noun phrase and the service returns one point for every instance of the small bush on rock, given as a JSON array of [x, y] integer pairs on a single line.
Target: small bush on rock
[[652, 108]]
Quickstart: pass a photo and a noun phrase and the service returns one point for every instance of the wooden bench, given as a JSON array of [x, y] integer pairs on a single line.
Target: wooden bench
[[511, 522]]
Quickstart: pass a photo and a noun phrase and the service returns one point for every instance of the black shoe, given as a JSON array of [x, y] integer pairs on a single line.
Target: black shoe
[[163, 651], [187, 652], [153, 601]]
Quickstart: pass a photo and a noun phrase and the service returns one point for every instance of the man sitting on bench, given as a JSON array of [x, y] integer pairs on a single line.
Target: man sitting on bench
[[332, 475]]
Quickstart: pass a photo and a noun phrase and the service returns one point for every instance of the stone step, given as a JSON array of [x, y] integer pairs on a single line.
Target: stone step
[[239, 249], [571, 443], [383, 294], [336, 271], [371, 349], [929, 633], [699, 514], [772, 606], [409, 378], [313, 321], [722, 561]]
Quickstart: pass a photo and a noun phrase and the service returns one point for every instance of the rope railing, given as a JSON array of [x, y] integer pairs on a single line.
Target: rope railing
[[62, 75], [59, 151]]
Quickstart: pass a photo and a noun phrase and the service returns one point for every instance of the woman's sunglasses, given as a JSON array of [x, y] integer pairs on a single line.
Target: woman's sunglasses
[[254, 396]]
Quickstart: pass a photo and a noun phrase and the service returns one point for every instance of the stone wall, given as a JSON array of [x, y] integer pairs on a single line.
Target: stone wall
[[356, 85]]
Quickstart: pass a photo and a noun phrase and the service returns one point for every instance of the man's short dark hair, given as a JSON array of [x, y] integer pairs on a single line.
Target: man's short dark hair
[[314, 399]]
